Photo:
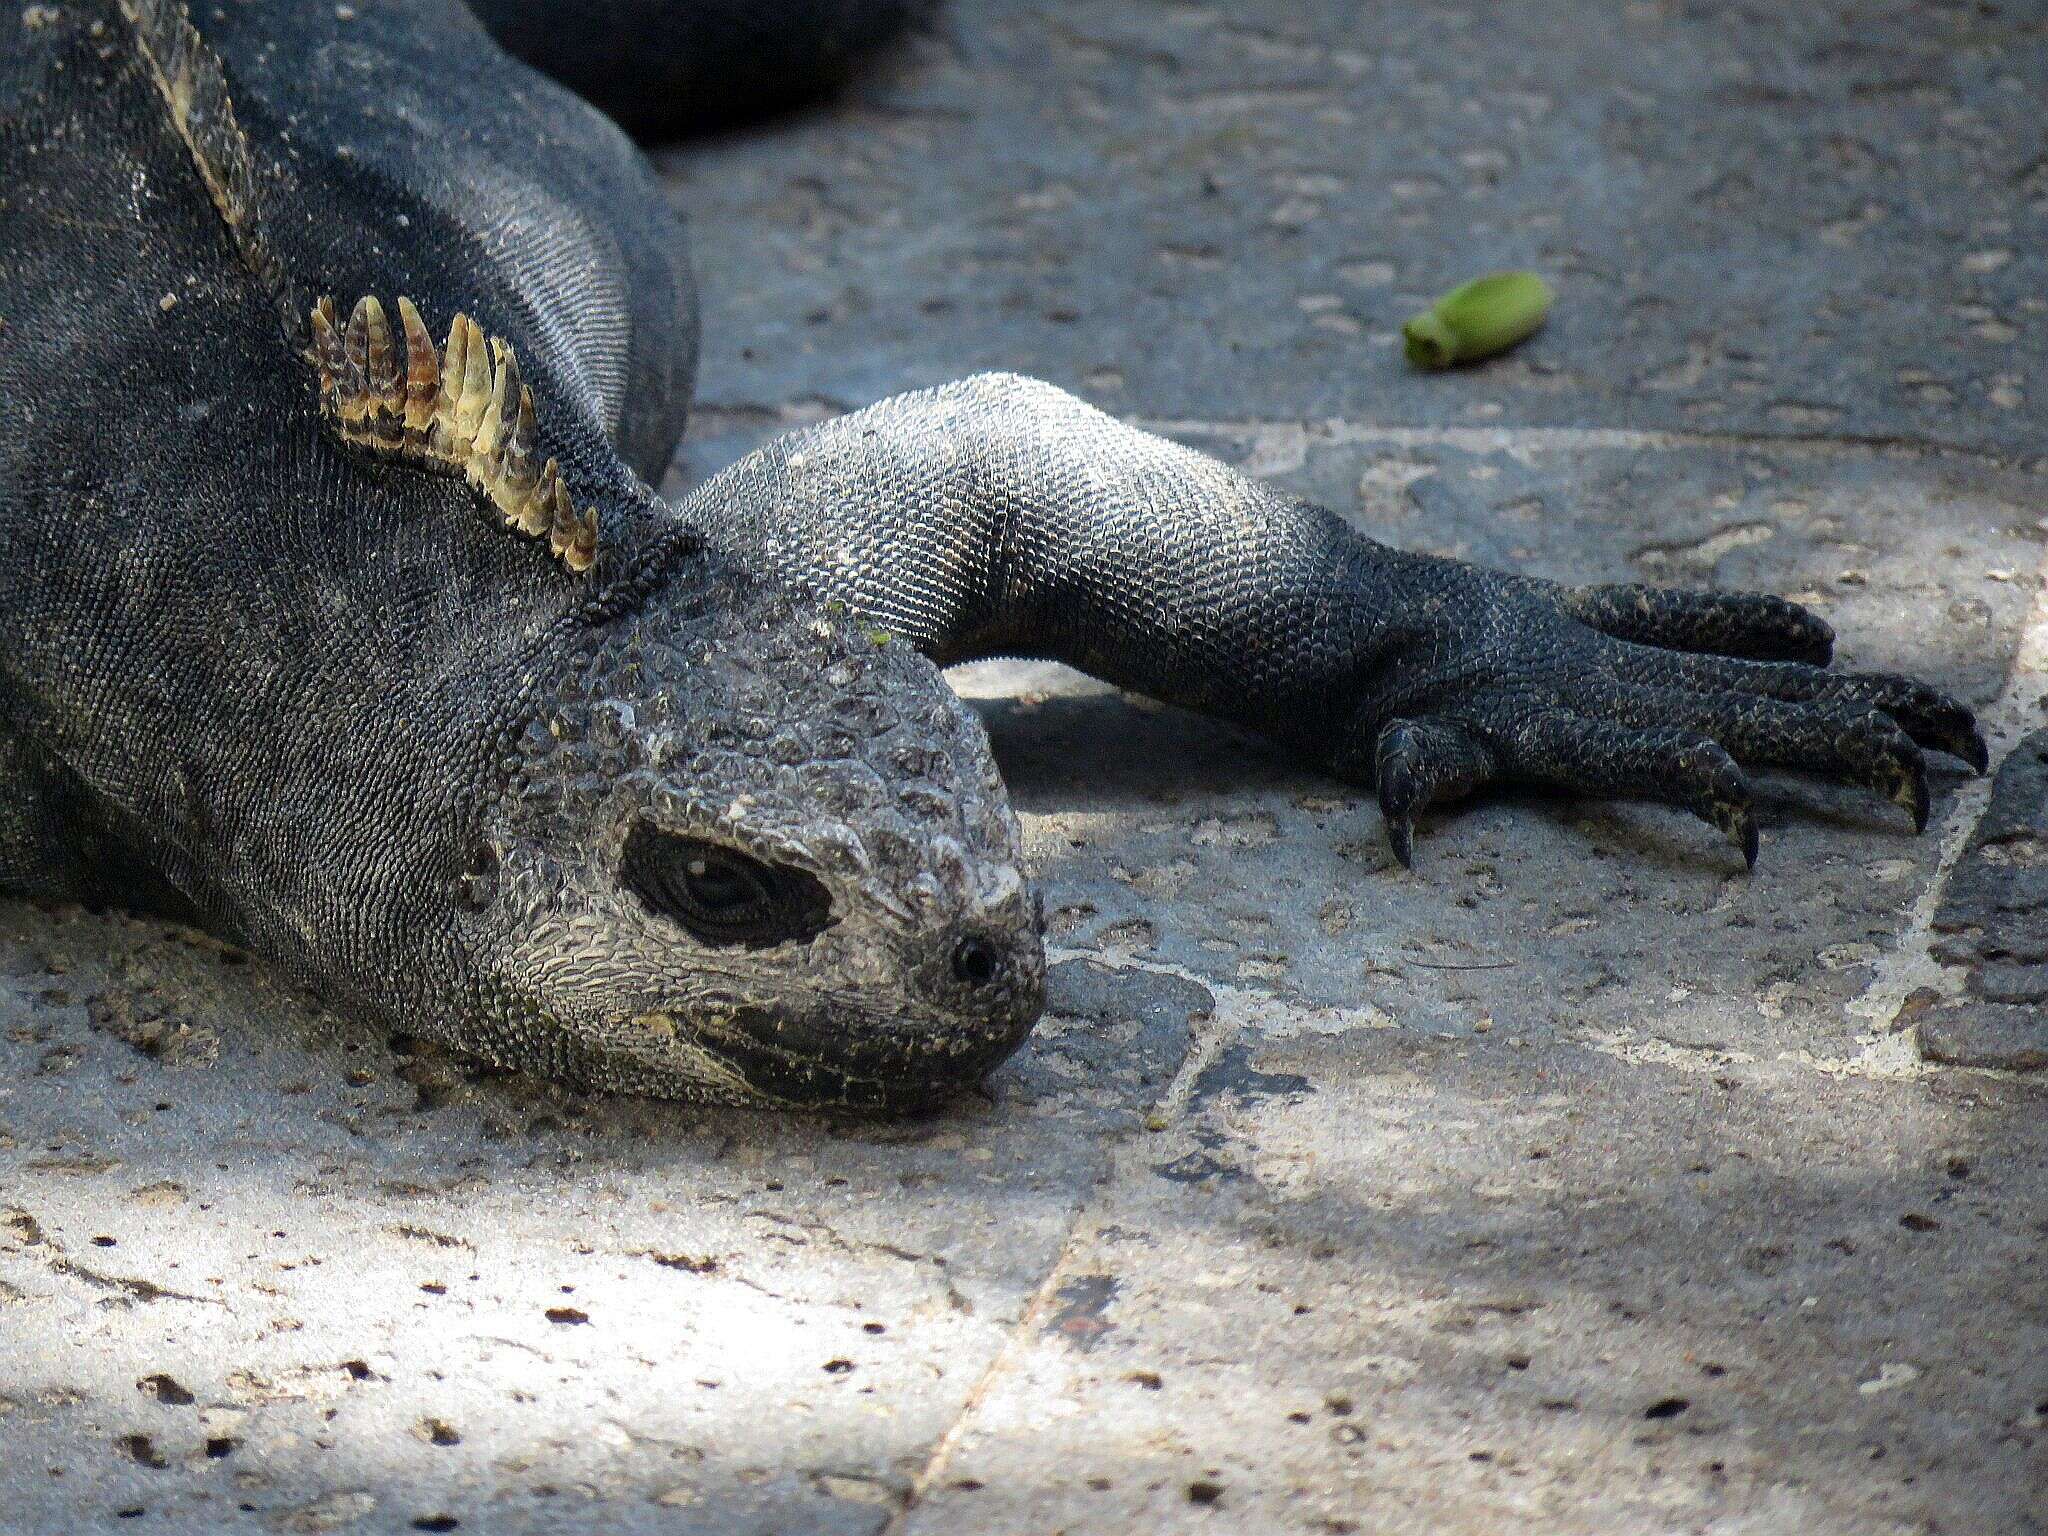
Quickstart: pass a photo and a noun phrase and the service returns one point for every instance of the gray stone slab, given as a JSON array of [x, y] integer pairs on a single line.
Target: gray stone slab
[[1167, 839], [1993, 925], [1792, 220], [262, 1269], [1373, 1281], [1564, 1184]]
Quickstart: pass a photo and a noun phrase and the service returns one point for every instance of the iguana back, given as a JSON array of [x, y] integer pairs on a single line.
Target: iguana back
[[180, 543]]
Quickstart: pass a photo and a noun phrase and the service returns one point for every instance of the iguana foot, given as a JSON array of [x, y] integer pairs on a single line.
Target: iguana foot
[[1647, 693]]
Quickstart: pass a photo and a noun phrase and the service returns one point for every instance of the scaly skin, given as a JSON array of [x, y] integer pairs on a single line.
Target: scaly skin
[[1066, 534], [704, 820]]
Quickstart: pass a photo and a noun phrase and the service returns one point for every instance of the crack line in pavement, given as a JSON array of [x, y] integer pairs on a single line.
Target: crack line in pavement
[[1227, 1010], [1884, 1057], [1891, 1052], [1013, 1347], [1278, 447], [1228, 1006]]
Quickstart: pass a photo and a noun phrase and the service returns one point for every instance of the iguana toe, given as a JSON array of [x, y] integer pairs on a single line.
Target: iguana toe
[[1756, 625], [1572, 751], [1419, 763]]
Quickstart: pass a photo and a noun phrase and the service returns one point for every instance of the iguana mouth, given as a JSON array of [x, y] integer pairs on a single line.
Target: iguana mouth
[[825, 1061]]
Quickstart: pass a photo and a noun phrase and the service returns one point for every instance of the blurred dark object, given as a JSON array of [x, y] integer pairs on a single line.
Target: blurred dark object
[[662, 67]]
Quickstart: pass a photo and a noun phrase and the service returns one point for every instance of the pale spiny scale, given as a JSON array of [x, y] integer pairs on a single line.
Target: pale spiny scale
[[464, 410], [562, 527], [453, 365], [473, 398], [485, 453], [189, 78], [355, 374], [520, 476], [386, 381], [573, 538], [537, 512], [422, 370], [383, 358], [328, 355]]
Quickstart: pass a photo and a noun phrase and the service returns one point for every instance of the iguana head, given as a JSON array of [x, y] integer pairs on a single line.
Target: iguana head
[[751, 851]]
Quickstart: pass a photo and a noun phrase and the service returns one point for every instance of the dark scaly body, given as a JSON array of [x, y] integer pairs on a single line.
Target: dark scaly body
[[322, 703], [670, 825]]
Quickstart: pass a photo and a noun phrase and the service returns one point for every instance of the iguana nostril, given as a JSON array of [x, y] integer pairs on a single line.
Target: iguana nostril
[[975, 961]]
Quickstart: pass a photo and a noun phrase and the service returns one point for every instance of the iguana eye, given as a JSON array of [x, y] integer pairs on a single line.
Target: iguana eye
[[721, 895]]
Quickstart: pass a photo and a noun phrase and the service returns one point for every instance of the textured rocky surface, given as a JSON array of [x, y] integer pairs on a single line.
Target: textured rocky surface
[[1575, 1182], [1790, 221], [1993, 921]]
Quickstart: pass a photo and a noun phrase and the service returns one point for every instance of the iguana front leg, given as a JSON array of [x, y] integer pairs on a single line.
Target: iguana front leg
[[1000, 515]]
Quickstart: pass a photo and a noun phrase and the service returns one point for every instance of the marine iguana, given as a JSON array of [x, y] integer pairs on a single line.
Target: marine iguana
[[663, 799]]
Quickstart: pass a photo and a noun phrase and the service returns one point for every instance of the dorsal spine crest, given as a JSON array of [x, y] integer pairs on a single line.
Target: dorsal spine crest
[[189, 78], [462, 410]]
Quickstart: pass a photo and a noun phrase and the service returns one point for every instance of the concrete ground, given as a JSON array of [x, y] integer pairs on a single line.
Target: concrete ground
[[1575, 1182]]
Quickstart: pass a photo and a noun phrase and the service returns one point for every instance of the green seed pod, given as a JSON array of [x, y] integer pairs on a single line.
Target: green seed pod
[[1478, 319]]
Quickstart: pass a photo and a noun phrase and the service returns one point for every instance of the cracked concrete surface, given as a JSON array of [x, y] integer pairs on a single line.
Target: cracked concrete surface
[[1577, 1182]]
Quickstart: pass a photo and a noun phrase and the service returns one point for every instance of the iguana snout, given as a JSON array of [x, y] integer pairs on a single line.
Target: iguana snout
[[753, 852]]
